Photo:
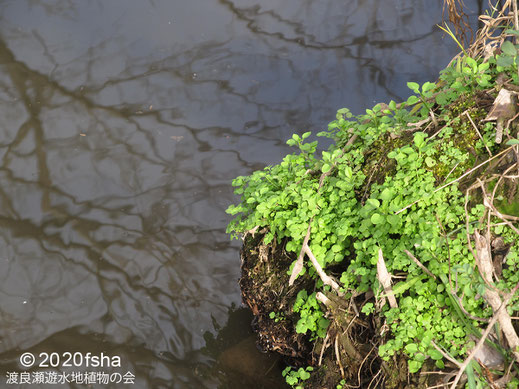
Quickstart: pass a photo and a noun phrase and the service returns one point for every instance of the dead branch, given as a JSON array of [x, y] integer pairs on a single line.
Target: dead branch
[[385, 280], [484, 261], [338, 355], [419, 263], [445, 355], [477, 131], [498, 313], [327, 280]]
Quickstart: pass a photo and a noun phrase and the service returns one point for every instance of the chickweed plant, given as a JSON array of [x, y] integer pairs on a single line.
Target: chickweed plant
[[389, 190]]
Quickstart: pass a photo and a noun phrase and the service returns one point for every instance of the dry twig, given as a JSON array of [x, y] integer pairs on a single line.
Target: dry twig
[[495, 318], [419, 263], [477, 131], [385, 280]]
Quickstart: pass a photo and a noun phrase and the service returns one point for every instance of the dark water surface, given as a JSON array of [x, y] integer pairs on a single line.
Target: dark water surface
[[122, 124]]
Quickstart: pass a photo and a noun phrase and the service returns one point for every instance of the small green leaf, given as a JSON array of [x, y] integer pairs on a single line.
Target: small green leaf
[[435, 354], [512, 142], [412, 100], [301, 326], [508, 48], [411, 348], [442, 99], [430, 162], [348, 172], [393, 220], [414, 366], [377, 218], [336, 248], [414, 87], [483, 67], [326, 168], [428, 86], [304, 375], [505, 61], [373, 202], [386, 195], [419, 139], [402, 286], [471, 62]]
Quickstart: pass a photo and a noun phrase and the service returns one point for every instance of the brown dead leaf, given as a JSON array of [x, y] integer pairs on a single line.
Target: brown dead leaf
[[504, 106], [503, 109]]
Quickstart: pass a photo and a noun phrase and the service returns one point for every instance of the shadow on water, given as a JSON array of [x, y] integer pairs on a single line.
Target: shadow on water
[[241, 364], [122, 125]]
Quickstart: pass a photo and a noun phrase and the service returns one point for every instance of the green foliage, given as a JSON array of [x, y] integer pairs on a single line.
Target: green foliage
[[353, 216], [465, 76], [277, 317], [296, 378], [508, 56], [311, 315], [425, 92]]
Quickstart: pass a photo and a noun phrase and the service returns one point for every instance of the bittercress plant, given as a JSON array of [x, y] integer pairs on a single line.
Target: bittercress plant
[[381, 193]]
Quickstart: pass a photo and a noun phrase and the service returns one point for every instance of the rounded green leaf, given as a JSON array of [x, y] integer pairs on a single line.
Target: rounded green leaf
[[348, 172], [304, 375], [414, 366], [430, 162], [508, 48], [387, 194], [374, 203], [393, 219], [413, 86], [471, 62], [419, 139], [435, 355], [326, 168], [377, 218], [428, 86], [411, 348], [505, 61], [412, 100]]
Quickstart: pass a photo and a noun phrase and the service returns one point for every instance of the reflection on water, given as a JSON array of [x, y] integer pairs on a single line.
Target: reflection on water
[[122, 124]]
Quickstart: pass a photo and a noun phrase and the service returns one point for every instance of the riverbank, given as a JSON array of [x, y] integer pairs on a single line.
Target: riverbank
[[386, 261]]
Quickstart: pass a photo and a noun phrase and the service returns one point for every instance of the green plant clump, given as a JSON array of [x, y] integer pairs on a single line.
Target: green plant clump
[[296, 378], [358, 201]]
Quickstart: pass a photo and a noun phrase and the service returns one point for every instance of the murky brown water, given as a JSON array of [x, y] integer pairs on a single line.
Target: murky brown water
[[122, 124]]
